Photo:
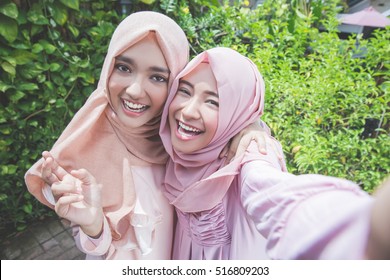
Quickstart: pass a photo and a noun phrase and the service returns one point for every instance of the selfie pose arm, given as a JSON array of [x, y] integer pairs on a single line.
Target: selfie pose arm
[[305, 216]]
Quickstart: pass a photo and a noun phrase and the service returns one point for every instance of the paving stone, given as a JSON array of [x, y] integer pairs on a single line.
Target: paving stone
[[49, 244], [72, 254], [50, 239], [11, 253], [31, 253], [51, 254], [65, 240], [55, 227], [41, 233]]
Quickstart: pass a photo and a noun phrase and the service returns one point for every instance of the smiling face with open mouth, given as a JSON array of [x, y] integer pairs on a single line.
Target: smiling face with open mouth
[[193, 113], [138, 85]]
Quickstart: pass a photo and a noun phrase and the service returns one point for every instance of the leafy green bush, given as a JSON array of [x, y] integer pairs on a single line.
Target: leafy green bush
[[50, 62], [320, 98]]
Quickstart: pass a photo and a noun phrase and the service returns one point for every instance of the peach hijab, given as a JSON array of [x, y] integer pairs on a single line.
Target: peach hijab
[[198, 181], [97, 141]]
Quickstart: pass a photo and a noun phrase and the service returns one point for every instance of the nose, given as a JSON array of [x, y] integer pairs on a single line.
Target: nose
[[135, 89], [191, 109]]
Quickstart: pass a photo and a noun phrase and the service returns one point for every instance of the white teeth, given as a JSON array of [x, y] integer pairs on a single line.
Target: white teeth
[[133, 106], [188, 128]]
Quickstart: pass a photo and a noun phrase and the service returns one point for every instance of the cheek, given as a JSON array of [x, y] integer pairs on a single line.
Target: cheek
[[159, 97], [173, 107], [212, 122]]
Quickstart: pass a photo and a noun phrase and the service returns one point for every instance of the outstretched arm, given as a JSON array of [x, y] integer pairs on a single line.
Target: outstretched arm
[[378, 245]]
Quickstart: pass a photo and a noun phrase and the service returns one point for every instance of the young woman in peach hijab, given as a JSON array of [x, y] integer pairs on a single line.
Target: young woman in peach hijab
[[113, 142], [252, 208], [114, 137]]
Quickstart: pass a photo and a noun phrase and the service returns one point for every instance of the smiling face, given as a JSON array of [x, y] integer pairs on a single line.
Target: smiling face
[[193, 113], [138, 85]]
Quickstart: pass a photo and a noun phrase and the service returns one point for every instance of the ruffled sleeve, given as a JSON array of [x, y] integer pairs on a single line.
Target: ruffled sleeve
[[91, 246], [306, 216]]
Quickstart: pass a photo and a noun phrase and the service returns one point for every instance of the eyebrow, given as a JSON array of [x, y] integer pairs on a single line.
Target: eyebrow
[[153, 68], [212, 93]]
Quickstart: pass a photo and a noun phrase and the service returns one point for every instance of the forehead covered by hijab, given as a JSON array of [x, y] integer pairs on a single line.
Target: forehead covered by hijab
[[240, 89], [170, 38]]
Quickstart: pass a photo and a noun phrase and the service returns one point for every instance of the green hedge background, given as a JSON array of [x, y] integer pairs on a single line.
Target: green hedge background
[[328, 107]]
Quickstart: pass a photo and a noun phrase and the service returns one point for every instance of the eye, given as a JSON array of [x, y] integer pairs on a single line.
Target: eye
[[213, 103], [184, 91], [122, 68], [159, 79]]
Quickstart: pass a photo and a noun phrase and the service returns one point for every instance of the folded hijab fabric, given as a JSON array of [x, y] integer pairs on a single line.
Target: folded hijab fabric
[[97, 141]]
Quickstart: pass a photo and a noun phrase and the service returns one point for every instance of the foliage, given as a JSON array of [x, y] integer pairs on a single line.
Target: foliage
[[49, 65], [328, 108]]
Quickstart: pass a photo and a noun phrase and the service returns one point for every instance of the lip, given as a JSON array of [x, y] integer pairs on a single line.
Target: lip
[[182, 135], [133, 112]]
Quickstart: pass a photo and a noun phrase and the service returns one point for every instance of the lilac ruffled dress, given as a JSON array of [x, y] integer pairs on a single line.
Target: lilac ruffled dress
[[268, 213]]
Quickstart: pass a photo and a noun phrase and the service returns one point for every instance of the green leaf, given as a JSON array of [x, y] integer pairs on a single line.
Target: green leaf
[[8, 68], [36, 16], [17, 96], [8, 28], [4, 87], [10, 10], [149, 2], [74, 30], [3, 196], [23, 57], [5, 131], [27, 86], [10, 60], [27, 208], [54, 67], [37, 48], [73, 4], [59, 13], [49, 48]]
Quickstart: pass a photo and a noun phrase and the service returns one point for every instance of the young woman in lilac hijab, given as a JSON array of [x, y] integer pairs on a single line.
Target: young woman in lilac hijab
[[250, 208]]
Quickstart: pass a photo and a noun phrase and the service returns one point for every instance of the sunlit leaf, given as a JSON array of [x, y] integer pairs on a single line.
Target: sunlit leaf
[[59, 13], [10, 10], [8, 28], [7, 67], [73, 4]]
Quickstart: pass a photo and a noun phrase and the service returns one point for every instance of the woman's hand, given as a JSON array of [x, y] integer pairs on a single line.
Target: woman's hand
[[81, 201], [241, 141]]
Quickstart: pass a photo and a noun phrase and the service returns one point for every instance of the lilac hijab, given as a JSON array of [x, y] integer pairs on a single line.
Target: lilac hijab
[[198, 181]]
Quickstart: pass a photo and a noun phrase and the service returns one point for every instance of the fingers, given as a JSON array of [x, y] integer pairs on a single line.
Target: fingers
[[84, 176], [47, 174], [63, 204], [90, 188], [276, 147], [56, 169], [261, 142], [242, 145], [224, 151], [64, 188]]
